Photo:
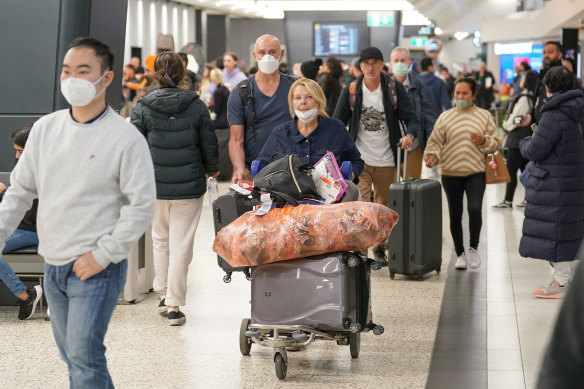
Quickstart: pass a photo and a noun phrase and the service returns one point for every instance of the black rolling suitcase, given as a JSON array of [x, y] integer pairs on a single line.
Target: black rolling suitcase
[[226, 209], [415, 243]]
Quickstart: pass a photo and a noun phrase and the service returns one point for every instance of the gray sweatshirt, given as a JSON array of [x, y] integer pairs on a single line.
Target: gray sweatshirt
[[95, 185]]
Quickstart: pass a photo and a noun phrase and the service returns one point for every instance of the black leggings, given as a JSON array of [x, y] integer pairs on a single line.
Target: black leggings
[[455, 187], [515, 161]]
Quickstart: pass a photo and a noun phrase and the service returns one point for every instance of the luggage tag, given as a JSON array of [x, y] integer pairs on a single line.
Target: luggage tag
[[266, 205], [240, 190]]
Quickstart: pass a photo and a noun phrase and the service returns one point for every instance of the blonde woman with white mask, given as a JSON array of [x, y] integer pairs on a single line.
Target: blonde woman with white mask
[[311, 133]]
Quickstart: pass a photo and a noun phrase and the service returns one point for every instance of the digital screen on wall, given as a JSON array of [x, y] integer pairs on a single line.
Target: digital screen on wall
[[509, 61], [339, 39]]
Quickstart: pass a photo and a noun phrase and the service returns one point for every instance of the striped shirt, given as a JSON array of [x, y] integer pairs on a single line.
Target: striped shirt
[[451, 143]]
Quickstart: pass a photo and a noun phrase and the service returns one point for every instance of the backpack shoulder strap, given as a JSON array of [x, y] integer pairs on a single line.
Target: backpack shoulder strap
[[246, 96], [352, 93], [392, 92]]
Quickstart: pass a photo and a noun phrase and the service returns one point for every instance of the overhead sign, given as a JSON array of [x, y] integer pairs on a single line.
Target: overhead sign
[[418, 42], [377, 19]]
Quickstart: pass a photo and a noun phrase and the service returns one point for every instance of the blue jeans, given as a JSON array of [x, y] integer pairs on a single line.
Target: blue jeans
[[19, 239], [80, 314]]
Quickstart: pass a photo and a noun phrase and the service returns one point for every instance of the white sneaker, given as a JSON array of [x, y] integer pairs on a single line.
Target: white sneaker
[[474, 260], [461, 262]]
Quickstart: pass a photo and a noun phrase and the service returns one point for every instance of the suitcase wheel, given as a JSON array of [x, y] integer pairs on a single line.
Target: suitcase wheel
[[352, 262], [391, 274], [244, 340], [378, 330], [227, 278], [376, 265], [355, 327], [420, 277], [247, 274], [281, 365]]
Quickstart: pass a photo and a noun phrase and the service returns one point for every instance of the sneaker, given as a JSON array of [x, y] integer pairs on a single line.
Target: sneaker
[[474, 259], [28, 306], [551, 291], [379, 254], [504, 204], [522, 204], [461, 262], [176, 318], [162, 308]]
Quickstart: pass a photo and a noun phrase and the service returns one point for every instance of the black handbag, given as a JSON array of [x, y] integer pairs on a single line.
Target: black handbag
[[288, 179]]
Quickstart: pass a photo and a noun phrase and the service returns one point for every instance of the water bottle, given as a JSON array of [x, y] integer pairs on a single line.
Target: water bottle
[[212, 189]]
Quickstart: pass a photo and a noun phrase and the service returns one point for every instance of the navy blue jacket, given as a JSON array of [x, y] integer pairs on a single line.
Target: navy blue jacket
[[418, 95], [554, 215], [436, 89], [330, 135]]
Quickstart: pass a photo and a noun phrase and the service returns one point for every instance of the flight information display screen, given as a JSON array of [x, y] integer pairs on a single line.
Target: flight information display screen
[[339, 39]]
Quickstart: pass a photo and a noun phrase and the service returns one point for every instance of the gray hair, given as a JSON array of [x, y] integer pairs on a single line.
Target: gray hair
[[403, 50]]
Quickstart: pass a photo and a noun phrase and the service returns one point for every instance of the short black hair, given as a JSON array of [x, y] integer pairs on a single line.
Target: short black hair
[[102, 50], [20, 135], [525, 65], [426, 63], [139, 69], [557, 44], [470, 81], [131, 66], [558, 79]]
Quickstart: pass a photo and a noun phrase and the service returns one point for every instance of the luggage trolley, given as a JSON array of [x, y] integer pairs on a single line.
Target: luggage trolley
[[345, 300]]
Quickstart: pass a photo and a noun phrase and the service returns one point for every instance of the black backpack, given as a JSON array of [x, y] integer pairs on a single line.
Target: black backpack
[[287, 179]]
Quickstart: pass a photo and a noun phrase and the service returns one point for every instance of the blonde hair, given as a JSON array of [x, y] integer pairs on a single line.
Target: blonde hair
[[315, 91], [216, 76]]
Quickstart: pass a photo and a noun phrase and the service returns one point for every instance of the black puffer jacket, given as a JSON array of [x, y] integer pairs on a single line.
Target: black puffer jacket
[[182, 141]]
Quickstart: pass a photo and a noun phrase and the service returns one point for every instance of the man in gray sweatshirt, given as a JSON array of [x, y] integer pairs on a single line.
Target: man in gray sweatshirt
[[94, 178]]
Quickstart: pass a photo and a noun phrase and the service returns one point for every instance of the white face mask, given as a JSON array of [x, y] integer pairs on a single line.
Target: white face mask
[[308, 116], [268, 64], [79, 92]]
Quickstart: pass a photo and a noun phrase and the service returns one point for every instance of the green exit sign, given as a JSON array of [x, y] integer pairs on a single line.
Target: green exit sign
[[380, 20], [418, 42]]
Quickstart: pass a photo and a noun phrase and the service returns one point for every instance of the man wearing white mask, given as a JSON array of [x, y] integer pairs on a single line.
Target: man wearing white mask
[[400, 65], [94, 178], [256, 106]]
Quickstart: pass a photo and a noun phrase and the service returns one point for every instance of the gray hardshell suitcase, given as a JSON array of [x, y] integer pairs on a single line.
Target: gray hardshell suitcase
[[329, 292], [226, 209], [415, 243]]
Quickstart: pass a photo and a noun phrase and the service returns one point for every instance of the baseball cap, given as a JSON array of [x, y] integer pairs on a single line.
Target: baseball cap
[[370, 53]]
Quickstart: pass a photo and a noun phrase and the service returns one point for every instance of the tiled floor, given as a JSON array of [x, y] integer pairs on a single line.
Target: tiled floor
[[503, 329]]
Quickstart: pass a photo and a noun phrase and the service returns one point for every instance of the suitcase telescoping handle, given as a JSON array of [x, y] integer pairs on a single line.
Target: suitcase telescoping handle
[[398, 174]]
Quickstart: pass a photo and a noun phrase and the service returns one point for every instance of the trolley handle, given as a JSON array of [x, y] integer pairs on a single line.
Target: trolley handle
[[398, 173]]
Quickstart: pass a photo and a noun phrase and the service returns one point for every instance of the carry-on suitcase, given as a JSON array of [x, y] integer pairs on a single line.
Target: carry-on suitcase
[[329, 292], [226, 209], [415, 243], [140, 276]]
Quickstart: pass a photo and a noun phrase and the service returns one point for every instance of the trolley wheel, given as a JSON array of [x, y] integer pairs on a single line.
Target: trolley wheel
[[244, 341], [355, 328], [438, 271], [248, 276], [227, 278], [355, 345], [376, 265], [420, 277], [378, 330], [281, 366], [352, 262], [391, 274]]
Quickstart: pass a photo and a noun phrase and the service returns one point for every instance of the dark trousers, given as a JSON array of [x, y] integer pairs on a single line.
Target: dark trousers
[[455, 187], [515, 162]]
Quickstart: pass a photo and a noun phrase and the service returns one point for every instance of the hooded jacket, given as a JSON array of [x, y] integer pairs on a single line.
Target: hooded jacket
[[554, 215], [182, 141]]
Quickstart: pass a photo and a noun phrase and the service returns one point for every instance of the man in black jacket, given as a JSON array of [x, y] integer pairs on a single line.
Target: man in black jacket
[[372, 106]]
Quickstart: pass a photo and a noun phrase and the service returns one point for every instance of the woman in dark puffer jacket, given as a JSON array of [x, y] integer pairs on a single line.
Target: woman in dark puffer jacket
[[183, 145], [554, 215]]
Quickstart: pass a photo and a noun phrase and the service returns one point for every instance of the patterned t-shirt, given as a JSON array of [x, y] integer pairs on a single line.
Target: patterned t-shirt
[[373, 135]]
